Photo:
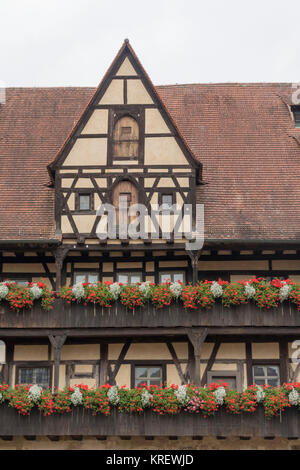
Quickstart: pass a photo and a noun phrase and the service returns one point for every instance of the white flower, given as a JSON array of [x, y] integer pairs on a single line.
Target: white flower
[[144, 287], [115, 290], [36, 291], [34, 393], [219, 395], [294, 397], [146, 398], [3, 290], [176, 289], [1, 396], [216, 289], [113, 395], [181, 394], [260, 394], [249, 290], [78, 291], [284, 291], [76, 397]]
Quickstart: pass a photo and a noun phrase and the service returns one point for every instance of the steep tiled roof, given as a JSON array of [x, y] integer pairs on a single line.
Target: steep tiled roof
[[243, 135]]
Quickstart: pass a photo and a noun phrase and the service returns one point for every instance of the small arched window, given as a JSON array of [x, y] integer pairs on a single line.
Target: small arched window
[[126, 139]]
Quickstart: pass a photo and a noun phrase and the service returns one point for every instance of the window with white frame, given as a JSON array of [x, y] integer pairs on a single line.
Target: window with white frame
[[266, 375], [129, 278], [172, 276], [91, 278], [148, 375]]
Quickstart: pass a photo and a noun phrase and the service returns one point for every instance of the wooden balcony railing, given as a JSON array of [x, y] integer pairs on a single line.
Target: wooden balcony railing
[[81, 422], [118, 316]]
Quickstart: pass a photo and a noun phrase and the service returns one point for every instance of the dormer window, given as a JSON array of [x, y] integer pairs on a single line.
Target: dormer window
[[296, 113]]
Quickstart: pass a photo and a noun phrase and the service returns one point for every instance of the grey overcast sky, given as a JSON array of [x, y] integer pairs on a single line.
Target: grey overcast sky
[[72, 42]]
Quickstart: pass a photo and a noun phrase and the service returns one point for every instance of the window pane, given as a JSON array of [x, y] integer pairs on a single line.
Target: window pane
[[92, 278], [166, 201], [129, 278], [155, 382], [139, 383], [79, 278], [259, 382], [258, 371], [272, 371], [151, 375], [26, 376], [172, 277], [273, 382], [140, 372], [154, 372], [135, 278], [20, 282], [42, 376], [165, 277], [84, 202], [179, 277]]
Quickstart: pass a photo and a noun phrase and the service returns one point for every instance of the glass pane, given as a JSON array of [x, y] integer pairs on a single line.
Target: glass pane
[[42, 376], [179, 277], [165, 277], [155, 382], [79, 278], [139, 383], [22, 283], [154, 372], [135, 278], [259, 382], [84, 202], [92, 278], [123, 278], [26, 376], [273, 382], [258, 371], [140, 372], [272, 371], [166, 201]]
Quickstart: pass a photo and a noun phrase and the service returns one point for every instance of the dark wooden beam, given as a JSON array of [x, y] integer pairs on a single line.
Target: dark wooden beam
[[176, 362], [103, 363], [119, 362], [197, 337], [210, 362], [57, 343]]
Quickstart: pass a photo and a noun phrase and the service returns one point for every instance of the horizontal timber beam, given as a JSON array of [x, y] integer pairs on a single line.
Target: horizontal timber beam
[[147, 332]]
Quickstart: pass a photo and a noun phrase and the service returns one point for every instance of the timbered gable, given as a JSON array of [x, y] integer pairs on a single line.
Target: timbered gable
[[125, 134]]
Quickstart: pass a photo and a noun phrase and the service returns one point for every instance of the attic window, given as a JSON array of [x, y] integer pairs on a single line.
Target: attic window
[[126, 139], [296, 114]]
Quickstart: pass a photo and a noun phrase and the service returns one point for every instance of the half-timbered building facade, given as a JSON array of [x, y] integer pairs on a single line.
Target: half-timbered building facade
[[64, 152]]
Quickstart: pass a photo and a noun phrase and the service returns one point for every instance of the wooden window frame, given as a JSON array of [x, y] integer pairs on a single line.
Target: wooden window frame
[[226, 373], [77, 202], [33, 365], [148, 363], [160, 199], [295, 109]]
